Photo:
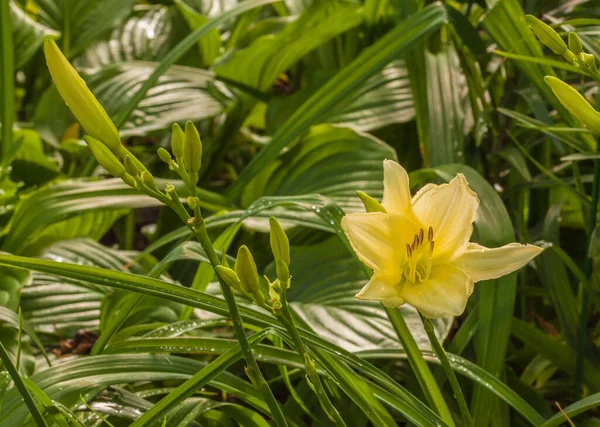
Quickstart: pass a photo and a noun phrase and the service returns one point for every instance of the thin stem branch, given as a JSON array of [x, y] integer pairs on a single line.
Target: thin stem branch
[[441, 354], [430, 387], [252, 369], [286, 318]]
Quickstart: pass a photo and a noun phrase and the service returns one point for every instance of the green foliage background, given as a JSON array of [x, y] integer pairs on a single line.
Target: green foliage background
[[298, 102]]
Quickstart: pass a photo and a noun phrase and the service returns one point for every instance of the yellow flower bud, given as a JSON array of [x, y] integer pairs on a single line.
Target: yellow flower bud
[[245, 267], [79, 98], [575, 103], [177, 140], [575, 43], [164, 155], [547, 36], [192, 149], [229, 276], [371, 205], [280, 244], [105, 157]]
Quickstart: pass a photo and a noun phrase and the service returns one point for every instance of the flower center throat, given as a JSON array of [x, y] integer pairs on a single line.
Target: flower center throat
[[417, 266]]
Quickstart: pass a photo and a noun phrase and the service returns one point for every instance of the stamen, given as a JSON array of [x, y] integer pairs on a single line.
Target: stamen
[[430, 234], [408, 250], [415, 243], [431, 245], [421, 236]]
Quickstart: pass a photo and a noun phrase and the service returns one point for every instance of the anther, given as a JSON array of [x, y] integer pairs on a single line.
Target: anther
[[432, 244], [408, 250], [421, 236], [430, 234]]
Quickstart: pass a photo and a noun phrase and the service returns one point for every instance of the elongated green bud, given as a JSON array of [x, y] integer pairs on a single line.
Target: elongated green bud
[[177, 141], [130, 166], [164, 155], [575, 103], [575, 45], [371, 205], [590, 61], [280, 244], [79, 98], [547, 36], [229, 276], [192, 149], [105, 157], [245, 267], [148, 180]]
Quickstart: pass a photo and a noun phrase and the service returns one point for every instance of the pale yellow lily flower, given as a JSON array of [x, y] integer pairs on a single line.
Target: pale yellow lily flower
[[419, 248]]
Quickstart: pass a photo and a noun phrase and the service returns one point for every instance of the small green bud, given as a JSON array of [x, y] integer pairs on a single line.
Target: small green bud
[[229, 276], [148, 180], [177, 140], [192, 149], [280, 244], [130, 166], [575, 103], [105, 157], [590, 61], [80, 100], [371, 205], [192, 202], [164, 155], [547, 36], [245, 267], [575, 45], [283, 270]]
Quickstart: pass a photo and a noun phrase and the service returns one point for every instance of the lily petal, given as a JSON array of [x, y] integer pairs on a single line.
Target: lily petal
[[450, 209], [370, 237], [380, 290], [483, 263], [445, 293], [396, 191]]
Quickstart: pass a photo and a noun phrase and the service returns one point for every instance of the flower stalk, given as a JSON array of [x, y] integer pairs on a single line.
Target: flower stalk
[[443, 358]]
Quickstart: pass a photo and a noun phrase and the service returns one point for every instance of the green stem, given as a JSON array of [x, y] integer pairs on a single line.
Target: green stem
[[33, 409], [441, 354], [253, 370], [588, 269], [6, 78], [417, 362], [286, 318]]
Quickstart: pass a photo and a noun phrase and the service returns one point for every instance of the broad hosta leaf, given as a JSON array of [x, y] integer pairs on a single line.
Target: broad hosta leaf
[[269, 56], [330, 160], [147, 37], [384, 99], [82, 22], [54, 305], [55, 205], [324, 298], [28, 35], [445, 110], [182, 93]]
